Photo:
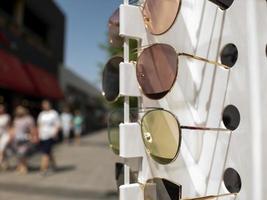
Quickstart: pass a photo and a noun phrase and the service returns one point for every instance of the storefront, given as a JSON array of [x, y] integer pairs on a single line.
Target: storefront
[[25, 84]]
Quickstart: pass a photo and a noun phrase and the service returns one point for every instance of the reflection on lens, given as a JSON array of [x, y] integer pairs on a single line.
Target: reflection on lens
[[231, 117], [111, 79], [156, 70], [229, 55], [114, 29], [160, 15], [223, 4], [232, 180], [162, 189], [162, 135], [114, 120]]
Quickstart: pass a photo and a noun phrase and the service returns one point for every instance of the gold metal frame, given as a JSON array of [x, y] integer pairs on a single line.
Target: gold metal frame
[[211, 197]]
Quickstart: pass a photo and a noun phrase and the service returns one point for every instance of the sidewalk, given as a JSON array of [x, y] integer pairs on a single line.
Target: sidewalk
[[86, 172]]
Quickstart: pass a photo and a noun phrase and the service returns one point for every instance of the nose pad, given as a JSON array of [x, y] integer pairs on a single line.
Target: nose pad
[[148, 137], [147, 20]]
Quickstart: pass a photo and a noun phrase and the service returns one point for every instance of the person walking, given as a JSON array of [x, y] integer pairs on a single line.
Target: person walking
[[22, 132], [66, 123], [4, 135], [77, 126], [48, 128]]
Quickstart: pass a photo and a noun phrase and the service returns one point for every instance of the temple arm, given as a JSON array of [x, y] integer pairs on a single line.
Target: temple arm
[[203, 128], [204, 60], [211, 197]]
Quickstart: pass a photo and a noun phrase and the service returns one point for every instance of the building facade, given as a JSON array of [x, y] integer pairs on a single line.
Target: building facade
[[81, 95], [31, 49]]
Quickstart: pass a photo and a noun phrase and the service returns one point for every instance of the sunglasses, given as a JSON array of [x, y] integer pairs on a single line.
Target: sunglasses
[[162, 135], [157, 69], [159, 16], [111, 79], [163, 189], [114, 30], [161, 130]]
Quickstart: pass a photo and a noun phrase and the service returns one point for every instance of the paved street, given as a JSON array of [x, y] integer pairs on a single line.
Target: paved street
[[86, 172]]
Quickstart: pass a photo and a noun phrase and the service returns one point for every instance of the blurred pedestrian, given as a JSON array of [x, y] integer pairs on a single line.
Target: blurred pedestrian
[[66, 123], [48, 128], [23, 130], [77, 126], [4, 135]]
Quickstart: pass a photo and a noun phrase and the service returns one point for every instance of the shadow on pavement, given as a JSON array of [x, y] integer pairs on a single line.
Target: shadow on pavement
[[94, 144], [35, 169], [61, 169]]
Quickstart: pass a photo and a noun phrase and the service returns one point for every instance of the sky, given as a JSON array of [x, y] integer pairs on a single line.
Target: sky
[[86, 28]]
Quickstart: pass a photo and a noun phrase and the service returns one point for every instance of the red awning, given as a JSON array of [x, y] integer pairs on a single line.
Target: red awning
[[46, 84], [13, 75]]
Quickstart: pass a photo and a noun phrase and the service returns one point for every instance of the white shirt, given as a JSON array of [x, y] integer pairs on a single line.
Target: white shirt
[[4, 121], [66, 120], [48, 124]]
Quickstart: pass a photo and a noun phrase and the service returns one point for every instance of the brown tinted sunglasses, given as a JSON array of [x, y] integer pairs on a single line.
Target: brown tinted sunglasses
[[160, 15], [157, 69]]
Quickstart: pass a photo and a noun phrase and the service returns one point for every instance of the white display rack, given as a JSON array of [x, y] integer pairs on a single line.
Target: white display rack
[[199, 96], [131, 144], [131, 22], [128, 83], [131, 192]]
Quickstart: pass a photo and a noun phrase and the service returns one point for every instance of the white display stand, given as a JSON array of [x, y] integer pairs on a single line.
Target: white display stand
[[128, 83], [200, 95], [130, 28], [131, 192], [131, 144]]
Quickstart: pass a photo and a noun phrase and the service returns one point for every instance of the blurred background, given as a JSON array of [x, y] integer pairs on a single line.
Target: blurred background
[[56, 50]]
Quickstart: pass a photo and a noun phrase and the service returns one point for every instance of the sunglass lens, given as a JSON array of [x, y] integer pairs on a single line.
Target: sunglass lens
[[161, 135], [114, 30], [111, 79], [162, 189], [156, 70], [119, 174], [160, 15]]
